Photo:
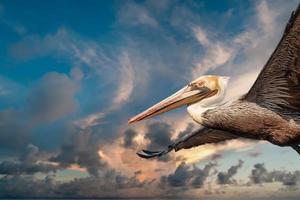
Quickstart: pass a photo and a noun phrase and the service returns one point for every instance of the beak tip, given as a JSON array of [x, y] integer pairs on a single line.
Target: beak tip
[[131, 120]]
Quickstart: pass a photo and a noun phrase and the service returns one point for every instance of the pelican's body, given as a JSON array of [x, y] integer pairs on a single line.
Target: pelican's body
[[269, 111], [249, 120]]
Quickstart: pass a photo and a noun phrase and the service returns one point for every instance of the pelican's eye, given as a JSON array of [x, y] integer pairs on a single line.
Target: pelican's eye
[[200, 83], [196, 85]]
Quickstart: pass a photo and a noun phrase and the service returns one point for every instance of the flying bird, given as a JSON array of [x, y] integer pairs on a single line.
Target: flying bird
[[269, 111]]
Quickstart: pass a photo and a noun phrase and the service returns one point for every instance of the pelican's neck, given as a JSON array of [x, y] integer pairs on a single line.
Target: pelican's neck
[[196, 111]]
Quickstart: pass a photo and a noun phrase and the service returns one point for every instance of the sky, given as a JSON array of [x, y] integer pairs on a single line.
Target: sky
[[73, 72]]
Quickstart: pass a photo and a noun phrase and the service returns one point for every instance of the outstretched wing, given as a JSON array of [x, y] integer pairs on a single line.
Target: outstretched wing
[[203, 136], [278, 84]]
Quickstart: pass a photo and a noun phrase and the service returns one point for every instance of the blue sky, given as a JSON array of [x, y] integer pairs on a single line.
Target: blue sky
[[73, 72]]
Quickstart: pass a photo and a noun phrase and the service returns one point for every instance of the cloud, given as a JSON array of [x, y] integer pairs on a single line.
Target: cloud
[[189, 129], [132, 72], [15, 168], [66, 45], [266, 17], [134, 14], [101, 65], [216, 53], [15, 132], [109, 185], [260, 175], [216, 156], [159, 136], [11, 24], [186, 176], [128, 138], [226, 177], [254, 154], [90, 120], [76, 74], [20, 186], [80, 147], [113, 184], [28, 163], [126, 81], [248, 50], [52, 98], [30, 155], [6, 87]]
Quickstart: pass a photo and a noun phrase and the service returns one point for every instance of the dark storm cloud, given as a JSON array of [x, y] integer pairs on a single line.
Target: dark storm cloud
[[261, 175], [187, 176], [26, 186], [28, 163], [30, 155], [159, 135], [128, 138], [80, 147], [12, 168], [77, 149], [226, 177], [14, 131], [99, 186], [106, 185], [52, 98]]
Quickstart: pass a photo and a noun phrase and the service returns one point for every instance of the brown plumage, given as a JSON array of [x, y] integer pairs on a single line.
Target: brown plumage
[[269, 111]]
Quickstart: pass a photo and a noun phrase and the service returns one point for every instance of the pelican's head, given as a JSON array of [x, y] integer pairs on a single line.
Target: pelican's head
[[205, 91]]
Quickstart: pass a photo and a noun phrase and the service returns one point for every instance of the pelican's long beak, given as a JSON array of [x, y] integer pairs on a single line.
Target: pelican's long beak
[[185, 96]]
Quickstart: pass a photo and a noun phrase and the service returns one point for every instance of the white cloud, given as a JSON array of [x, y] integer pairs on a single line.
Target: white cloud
[[254, 44], [64, 44], [133, 14], [76, 73], [201, 36], [126, 80], [90, 120], [215, 55], [266, 17], [241, 84]]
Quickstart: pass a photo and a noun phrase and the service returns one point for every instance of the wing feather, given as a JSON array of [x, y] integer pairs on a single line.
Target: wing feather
[[204, 136], [278, 84]]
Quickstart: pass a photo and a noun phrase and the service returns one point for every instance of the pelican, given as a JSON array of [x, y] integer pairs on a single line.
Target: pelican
[[269, 111]]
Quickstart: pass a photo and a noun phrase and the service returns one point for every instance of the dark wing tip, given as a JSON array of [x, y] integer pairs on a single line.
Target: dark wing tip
[[292, 19], [153, 154], [148, 154]]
